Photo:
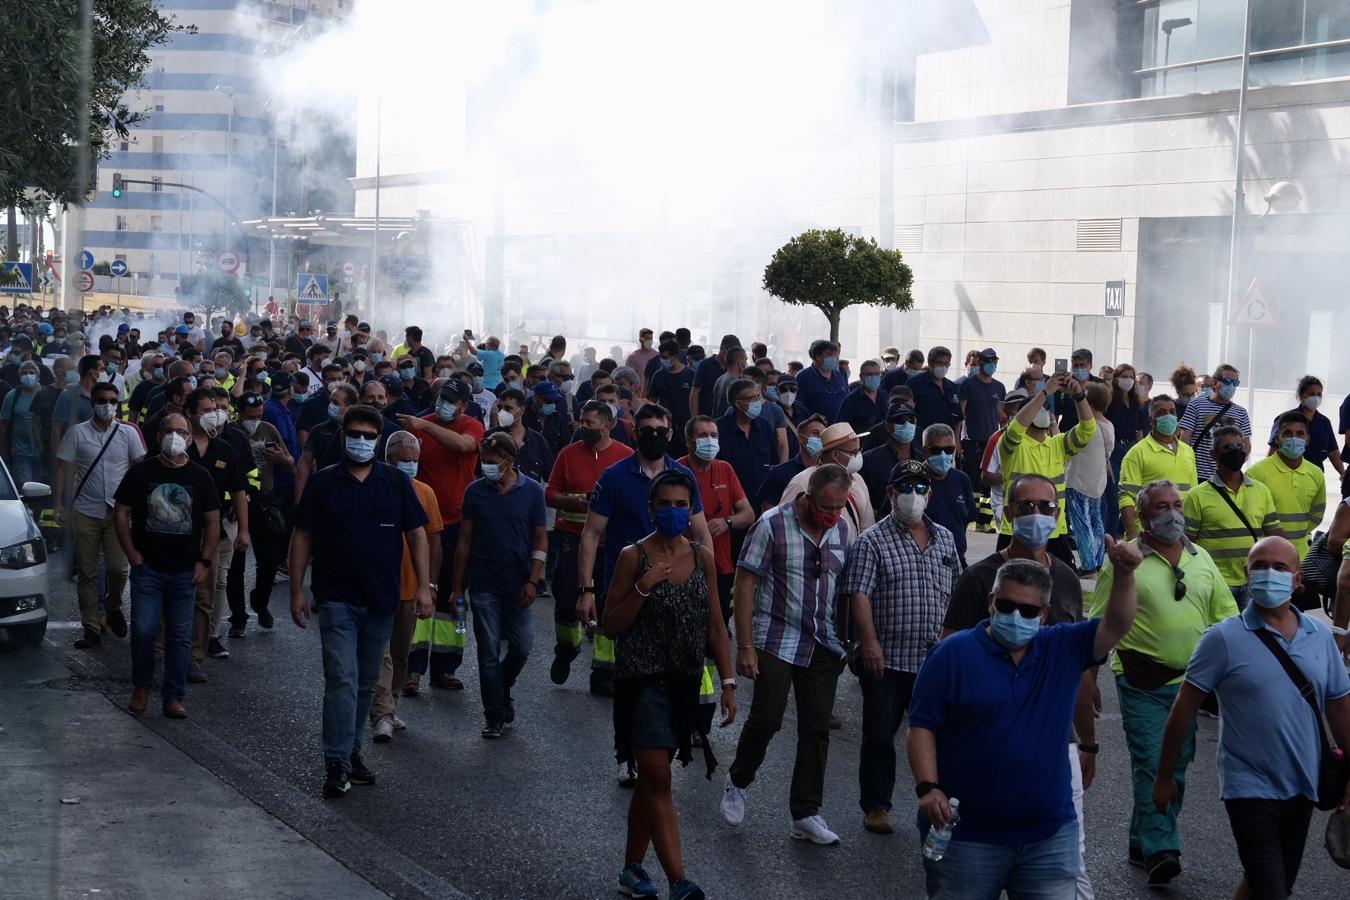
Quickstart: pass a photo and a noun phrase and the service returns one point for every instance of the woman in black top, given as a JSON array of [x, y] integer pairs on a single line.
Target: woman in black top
[[663, 613], [1128, 413]]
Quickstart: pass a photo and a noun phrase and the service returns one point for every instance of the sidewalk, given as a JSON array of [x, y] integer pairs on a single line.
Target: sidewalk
[[95, 804]]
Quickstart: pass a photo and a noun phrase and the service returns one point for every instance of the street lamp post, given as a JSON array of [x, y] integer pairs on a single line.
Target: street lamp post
[[375, 240], [1169, 26], [1239, 194], [228, 90]]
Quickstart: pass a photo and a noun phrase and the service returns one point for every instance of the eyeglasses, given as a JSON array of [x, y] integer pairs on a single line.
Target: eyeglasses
[[1025, 610], [911, 487], [1179, 589], [1234, 382], [1027, 507], [361, 435], [909, 420]]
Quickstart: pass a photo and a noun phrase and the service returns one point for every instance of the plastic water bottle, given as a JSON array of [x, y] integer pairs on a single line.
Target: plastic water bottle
[[935, 845], [459, 616]]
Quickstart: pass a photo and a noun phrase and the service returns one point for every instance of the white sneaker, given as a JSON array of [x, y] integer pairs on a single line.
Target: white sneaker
[[813, 829], [399, 724], [627, 774], [383, 731], [733, 803]]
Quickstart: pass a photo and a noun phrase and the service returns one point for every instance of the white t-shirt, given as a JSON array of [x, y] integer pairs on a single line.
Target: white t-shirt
[[858, 515]]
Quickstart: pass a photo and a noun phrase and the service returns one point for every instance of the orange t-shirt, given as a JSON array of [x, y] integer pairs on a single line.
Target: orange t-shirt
[[408, 578]]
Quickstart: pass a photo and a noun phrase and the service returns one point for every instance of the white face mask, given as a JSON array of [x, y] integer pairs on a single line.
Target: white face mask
[[908, 508], [505, 418], [173, 444], [1042, 419], [250, 425], [1312, 401], [854, 464], [105, 411], [359, 365], [445, 373]]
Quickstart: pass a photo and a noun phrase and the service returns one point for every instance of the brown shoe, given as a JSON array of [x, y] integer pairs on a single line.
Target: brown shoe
[[140, 699], [447, 683], [835, 722], [878, 821], [173, 709], [413, 686]]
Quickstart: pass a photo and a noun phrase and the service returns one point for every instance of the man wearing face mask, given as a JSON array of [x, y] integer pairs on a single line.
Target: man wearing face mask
[[865, 405], [839, 445], [936, 398], [952, 500], [267, 532], [534, 455], [822, 387], [1209, 411], [354, 519], [168, 524], [725, 505], [20, 437], [449, 440], [1296, 484], [1230, 512], [91, 461], [571, 485], [608, 394], [1160, 456], [897, 580], [213, 454], [560, 375], [1000, 698], [74, 405], [500, 559], [746, 439], [323, 446], [1181, 593], [1270, 748], [785, 604], [1080, 370], [981, 399], [901, 430], [546, 414], [807, 440]]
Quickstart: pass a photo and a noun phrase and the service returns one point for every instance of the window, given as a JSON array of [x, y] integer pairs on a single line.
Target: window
[[158, 104], [123, 146], [157, 144], [156, 183], [121, 223], [156, 223]]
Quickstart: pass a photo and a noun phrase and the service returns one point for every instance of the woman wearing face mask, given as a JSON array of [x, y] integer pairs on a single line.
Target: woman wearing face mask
[[1186, 384], [1321, 442], [665, 616]]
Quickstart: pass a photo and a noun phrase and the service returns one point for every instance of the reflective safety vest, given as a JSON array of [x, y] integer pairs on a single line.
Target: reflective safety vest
[[1212, 523], [1021, 455], [1148, 461], [1300, 496]]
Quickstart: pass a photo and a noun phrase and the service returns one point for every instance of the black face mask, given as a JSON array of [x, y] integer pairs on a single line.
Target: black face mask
[[591, 436], [653, 446], [1232, 458]]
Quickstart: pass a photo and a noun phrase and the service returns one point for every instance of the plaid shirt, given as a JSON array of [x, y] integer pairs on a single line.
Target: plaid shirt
[[908, 588], [794, 600]]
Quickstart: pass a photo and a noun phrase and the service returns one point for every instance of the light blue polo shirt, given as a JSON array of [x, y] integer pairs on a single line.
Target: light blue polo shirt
[[1269, 747]]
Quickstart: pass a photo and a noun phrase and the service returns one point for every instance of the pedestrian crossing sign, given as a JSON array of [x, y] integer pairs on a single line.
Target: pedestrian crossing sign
[[311, 288], [1254, 310], [19, 280]]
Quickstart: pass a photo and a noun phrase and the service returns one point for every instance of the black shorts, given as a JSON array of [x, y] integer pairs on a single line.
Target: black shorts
[[1270, 836]]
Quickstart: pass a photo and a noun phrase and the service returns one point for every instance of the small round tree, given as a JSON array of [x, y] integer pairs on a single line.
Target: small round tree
[[211, 291], [833, 270]]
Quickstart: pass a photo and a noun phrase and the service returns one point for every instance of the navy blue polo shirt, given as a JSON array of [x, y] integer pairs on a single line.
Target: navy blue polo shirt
[[861, 412], [934, 404], [503, 534], [821, 396], [749, 455], [876, 472], [1001, 728], [951, 504], [357, 529], [621, 497], [771, 491], [1321, 439]]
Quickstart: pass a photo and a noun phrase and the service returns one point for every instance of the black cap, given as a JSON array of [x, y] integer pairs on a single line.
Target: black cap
[[392, 383], [282, 381], [898, 409], [456, 390], [475, 369], [910, 470], [989, 353]]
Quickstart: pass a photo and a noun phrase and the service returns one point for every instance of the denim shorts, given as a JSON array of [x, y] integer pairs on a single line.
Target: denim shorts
[[651, 726]]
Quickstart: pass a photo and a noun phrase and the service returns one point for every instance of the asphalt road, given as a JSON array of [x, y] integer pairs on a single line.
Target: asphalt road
[[538, 813]]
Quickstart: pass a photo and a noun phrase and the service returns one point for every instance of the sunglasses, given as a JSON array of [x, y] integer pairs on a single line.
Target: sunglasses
[[1235, 382], [1027, 507], [946, 451], [361, 435], [910, 487], [1179, 589], [1025, 610]]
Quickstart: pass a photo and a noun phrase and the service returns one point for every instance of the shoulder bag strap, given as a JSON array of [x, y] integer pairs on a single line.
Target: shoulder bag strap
[[1298, 678], [112, 433], [1234, 507], [1212, 422]]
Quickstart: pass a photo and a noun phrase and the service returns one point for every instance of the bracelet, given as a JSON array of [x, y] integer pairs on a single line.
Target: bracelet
[[729, 683], [744, 647], [637, 590], [923, 787], [588, 589], [1087, 748]]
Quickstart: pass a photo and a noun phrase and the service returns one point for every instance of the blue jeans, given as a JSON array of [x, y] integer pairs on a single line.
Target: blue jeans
[[885, 700], [1085, 520], [26, 468], [171, 595], [354, 640], [494, 618], [1045, 870]]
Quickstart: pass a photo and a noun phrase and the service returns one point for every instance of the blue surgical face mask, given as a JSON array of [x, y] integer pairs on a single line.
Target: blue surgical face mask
[[549, 409], [1293, 447], [989, 368], [28, 379], [754, 408], [1012, 630], [667, 363], [1040, 386], [361, 450], [72, 377], [446, 411], [903, 431], [706, 448], [814, 445], [377, 357], [871, 382], [831, 363], [1166, 425], [1081, 374], [1034, 531], [972, 371], [771, 392], [408, 467], [941, 463], [1270, 588], [159, 372], [672, 521], [110, 368], [1226, 391], [406, 373], [492, 471], [334, 411]]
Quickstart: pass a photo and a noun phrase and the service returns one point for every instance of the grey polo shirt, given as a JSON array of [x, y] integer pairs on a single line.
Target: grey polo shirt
[[81, 445]]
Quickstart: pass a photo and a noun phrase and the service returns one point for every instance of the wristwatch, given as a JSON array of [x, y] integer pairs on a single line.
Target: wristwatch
[[924, 787], [588, 589], [205, 562], [727, 520], [1087, 748]]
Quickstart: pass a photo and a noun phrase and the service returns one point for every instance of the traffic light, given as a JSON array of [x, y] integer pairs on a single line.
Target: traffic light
[[117, 185], [248, 292]]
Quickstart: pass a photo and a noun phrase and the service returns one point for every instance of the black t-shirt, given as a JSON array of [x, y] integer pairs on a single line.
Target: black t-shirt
[[140, 395], [44, 404], [168, 511], [222, 463], [671, 390], [970, 598], [9, 373], [705, 379], [232, 342]]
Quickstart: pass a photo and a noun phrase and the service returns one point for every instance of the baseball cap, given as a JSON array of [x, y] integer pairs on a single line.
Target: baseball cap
[[1017, 395], [475, 369], [546, 389], [910, 470], [121, 329], [989, 353], [250, 400], [392, 383], [898, 409], [45, 328], [182, 329], [282, 381], [456, 390]]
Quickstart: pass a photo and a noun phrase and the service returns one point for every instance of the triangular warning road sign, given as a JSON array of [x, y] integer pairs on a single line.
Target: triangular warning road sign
[[1254, 310], [312, 290], [22, 283]]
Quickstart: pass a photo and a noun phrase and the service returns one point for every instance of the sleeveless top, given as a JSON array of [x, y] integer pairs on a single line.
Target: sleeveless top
[[670, 633]]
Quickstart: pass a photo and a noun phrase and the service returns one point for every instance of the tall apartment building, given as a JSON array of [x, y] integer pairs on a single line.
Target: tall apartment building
[[208, 126]]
